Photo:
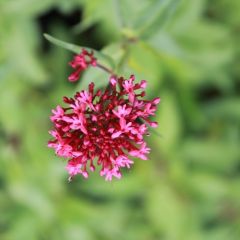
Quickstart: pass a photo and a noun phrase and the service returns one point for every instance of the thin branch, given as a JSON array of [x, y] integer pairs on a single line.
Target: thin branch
[[105, 69]]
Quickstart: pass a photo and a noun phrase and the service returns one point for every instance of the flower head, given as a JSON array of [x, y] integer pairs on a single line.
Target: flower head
[[103, 127], [81, 62]]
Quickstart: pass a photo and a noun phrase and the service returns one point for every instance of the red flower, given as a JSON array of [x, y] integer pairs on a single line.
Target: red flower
[[81, 62], [103, 128]]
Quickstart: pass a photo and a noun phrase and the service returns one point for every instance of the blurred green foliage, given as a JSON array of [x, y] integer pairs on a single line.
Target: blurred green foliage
[[189, 52]]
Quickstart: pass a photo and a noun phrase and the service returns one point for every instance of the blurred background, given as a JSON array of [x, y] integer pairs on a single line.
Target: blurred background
[[189, 52]]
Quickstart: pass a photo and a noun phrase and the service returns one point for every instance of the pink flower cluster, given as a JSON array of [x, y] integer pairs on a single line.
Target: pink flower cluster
[[103, 127], [81, 62]]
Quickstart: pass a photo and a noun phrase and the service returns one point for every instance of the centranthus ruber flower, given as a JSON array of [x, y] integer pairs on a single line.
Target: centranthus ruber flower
[[80, 62], [103, 128]]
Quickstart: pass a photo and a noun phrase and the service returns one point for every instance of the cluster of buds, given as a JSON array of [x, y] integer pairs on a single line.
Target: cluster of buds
[[80, 63], [103, 127]]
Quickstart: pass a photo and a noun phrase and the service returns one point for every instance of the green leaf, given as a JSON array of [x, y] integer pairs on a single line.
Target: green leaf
[[69, 46], [99, 78], [103, 58], [217, 156], [25, 8], [164, 43], [145, 64], [209, 187], [187, 15], [167, 214], [26, 62], [170, 122], [101, 13], [156, 17], [117, 53], [224, 109], [129, 11]]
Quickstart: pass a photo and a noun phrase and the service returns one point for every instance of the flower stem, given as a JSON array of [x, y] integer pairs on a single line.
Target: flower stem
[[105, 69]]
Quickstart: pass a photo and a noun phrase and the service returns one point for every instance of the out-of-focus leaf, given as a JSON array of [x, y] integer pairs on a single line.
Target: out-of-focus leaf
[[221, 233], [27, 228], [209, 187], [125, 8], [26, 8], [224, 109], [165, 43], [38, 203], [119, 190], [11, 114], [211, 52], [158, 14], [22, 52], [100, 12], [187, 14], [169, 122], [145, 64], [117, 53], [216, 155], [225, 10], [74, 232], [167, 213], [97, 76]]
